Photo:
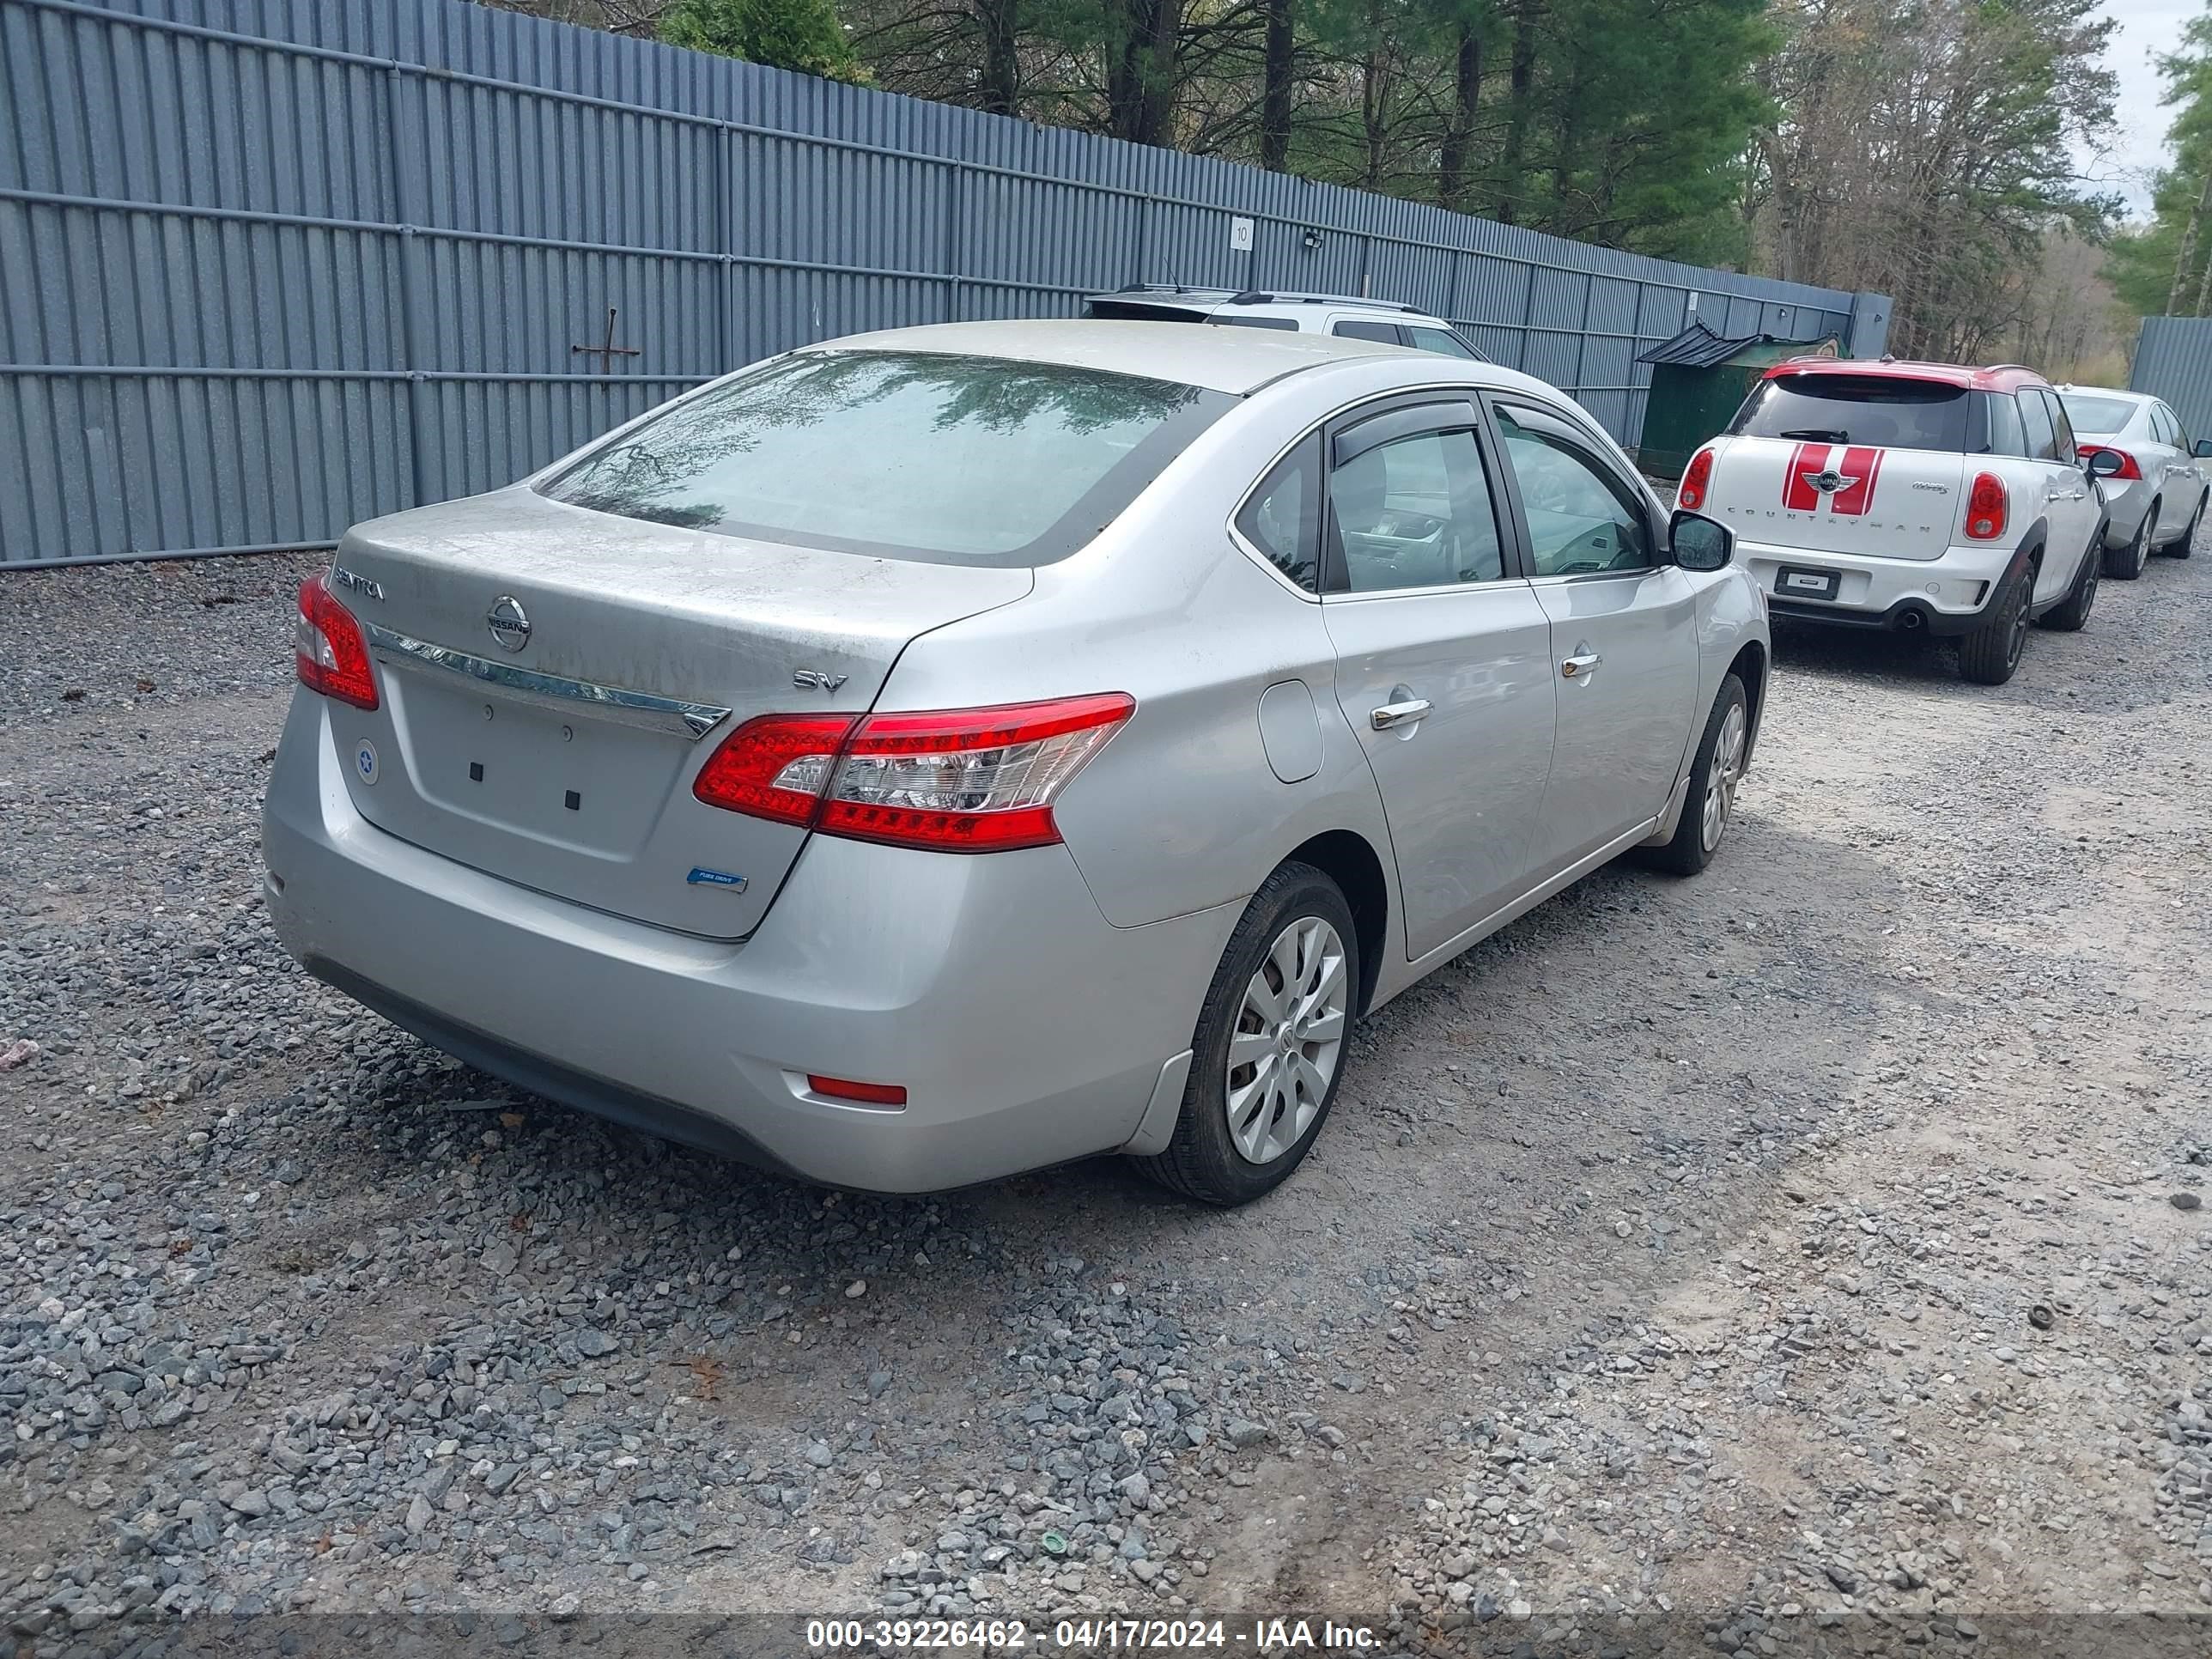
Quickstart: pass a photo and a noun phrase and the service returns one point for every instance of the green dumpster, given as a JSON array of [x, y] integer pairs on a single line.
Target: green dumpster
[[1699, 379]]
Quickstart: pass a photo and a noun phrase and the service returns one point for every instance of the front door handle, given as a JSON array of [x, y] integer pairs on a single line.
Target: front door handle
[[1398, 714], [2066, 495], [1580, 666]]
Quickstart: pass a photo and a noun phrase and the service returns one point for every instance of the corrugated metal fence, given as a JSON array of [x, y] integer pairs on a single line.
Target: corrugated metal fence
[[2174, 361], [270, 266]]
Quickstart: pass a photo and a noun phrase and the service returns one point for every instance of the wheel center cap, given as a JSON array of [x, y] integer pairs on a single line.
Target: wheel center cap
[[1286, 1037]]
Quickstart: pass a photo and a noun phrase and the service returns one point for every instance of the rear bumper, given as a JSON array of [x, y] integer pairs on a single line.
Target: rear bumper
[[1026, 1029], [1905, 617], [1946, 595]]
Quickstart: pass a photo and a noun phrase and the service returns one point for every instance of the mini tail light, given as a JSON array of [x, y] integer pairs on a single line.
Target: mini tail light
[[2129, 469], [1985, 508], [331, 653], [954, 781], [1696, 480]]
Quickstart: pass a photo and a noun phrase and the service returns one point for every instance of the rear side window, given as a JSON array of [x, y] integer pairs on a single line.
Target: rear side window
[[2097, 415], [1253, 322], [1857, 409], [2062, 429], [2007, 436], [2042, 436], [904, 455], [1283, 518], [1441, 341], [1386, 332]]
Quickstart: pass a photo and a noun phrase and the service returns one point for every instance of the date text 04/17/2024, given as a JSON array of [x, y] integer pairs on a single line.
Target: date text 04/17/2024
[[1254, 1636]]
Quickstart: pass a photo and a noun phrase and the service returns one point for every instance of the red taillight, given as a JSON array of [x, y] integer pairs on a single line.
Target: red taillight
[[331, 653], [956, 780], [1985, 508], [775, 766], [866, 1094], [1696, 480], [2128, 467]]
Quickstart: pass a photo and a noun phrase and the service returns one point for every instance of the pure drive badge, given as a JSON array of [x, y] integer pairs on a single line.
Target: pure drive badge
[[701, 877], [364, 761]]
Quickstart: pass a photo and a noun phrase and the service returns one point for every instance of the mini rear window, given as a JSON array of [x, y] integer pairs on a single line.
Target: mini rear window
[[2097, 414], [1857, 409], [908, 455]]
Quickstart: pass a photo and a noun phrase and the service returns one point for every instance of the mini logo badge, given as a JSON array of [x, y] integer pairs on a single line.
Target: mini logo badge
[[508, 621], [364, 761], [701, 877]]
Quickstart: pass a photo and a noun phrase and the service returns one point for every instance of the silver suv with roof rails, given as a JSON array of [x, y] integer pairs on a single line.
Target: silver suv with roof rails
[[1346, 316]]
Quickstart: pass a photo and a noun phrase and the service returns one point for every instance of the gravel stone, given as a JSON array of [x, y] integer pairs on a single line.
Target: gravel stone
[[1822, 1224]]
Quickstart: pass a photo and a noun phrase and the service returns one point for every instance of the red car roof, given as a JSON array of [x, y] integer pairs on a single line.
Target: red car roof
[[2007, 377]]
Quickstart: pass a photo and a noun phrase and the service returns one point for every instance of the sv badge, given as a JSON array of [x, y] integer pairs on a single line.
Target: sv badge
[[808, 679]]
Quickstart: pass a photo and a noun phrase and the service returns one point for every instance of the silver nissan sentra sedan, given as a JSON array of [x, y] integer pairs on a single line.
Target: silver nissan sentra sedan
[[941, 753]]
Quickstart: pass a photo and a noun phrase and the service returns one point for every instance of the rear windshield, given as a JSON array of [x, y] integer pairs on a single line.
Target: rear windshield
[[2097, 414], [912, 455], [1857, 409]]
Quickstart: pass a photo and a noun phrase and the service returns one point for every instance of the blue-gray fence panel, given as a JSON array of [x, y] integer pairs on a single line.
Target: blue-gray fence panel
[[270, 266], [2174, 361]]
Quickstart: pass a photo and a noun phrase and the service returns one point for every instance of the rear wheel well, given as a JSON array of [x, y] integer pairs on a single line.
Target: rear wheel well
[[1346, 859]]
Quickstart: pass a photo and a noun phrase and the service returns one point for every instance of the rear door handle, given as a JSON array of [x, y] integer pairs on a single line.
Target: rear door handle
[[1398, 714], [1580, 666]]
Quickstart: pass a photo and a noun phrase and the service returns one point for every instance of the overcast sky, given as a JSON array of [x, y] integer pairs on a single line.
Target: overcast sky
[[2146, 28]]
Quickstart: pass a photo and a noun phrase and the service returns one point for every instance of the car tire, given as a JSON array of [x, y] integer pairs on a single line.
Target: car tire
[[2070, 612], [1989, 654], [2183, 545], [1710, 807], [2125, 564], [1243, 1128]]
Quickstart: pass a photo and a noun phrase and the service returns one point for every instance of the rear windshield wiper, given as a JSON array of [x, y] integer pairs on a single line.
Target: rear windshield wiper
[[1817, 435]]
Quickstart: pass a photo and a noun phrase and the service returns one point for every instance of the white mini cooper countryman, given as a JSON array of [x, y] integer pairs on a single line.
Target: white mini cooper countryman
[[1924, 498]]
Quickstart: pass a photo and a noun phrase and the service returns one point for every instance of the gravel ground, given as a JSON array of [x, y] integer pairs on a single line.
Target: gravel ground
[[1810, 1248]]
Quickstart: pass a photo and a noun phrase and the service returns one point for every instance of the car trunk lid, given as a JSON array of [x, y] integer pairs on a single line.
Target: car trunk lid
[[1825, 497], [552, 678]]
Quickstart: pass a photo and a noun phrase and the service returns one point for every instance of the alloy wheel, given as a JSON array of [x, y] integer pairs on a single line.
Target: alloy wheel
[[1722, 776], [1290, 1033]]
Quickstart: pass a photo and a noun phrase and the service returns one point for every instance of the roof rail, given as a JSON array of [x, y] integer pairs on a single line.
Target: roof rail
[[1260, 297], [2022, 367], [1167, 288]]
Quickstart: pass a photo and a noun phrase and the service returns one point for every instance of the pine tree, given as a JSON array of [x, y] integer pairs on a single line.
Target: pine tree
[[790, 34]]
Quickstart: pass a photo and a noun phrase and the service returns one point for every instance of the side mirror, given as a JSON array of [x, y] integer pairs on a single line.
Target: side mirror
[[2204, 449], [2103, 462], [1698, 542]]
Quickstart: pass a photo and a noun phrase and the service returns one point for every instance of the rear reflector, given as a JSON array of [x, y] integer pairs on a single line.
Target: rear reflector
[[954, 781], [331, 653], [866, 1094]]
